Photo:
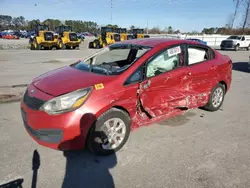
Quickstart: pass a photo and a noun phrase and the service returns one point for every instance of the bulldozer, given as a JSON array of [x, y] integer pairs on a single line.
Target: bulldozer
[[67, 39], [139, 33], [43, 38], [106, 37]]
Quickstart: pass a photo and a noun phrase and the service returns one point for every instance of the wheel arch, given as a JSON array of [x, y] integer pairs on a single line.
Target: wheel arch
[[224, 84], [106, 108]]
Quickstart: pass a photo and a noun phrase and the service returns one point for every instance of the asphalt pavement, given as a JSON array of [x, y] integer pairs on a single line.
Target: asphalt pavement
[[196, 150]]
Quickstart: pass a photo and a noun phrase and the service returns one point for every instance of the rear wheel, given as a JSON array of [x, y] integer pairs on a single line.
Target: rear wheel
[[109, 133], [61, 45], [91, 45], [248, 48], [32, 47], [216, 98], [76, 47]]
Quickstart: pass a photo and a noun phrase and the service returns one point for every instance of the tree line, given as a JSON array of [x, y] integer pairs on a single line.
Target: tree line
[[20, 23]]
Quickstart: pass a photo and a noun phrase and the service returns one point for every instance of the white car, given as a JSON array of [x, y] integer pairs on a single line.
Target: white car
[[235, 42]]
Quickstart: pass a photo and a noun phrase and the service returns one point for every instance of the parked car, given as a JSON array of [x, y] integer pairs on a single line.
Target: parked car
[[198, 40], [96, 101], [10, 36], [235, 42]]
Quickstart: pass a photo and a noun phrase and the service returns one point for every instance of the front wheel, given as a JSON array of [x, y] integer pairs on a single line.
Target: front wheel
[[216, 98], [109, 133]]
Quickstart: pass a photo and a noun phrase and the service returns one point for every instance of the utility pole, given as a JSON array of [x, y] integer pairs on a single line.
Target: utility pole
[[111, 9], [147, 26]]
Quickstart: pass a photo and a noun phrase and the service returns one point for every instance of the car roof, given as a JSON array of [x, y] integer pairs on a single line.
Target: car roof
[[152, 42]]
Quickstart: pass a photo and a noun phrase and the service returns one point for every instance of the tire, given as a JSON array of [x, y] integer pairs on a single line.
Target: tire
[[62, 46], [76, 47], [248, 48], [98, 45], [236, 48], [210, 105], [97, 134], [91, 45], [38, 46]]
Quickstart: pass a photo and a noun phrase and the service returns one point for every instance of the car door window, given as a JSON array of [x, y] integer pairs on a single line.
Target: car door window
[[166, 61], [197, 54]]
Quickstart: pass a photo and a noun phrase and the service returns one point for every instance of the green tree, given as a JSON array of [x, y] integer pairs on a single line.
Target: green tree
[[5, 21], [170, 30]]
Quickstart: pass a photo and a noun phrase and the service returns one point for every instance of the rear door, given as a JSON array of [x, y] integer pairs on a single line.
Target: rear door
[[203, 71], [166, 82]]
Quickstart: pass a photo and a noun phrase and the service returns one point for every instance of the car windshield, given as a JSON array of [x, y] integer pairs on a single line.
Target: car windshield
[[234, 37], [112, 60]]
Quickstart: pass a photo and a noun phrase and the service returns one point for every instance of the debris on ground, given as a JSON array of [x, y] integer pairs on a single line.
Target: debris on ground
[[12, 93]]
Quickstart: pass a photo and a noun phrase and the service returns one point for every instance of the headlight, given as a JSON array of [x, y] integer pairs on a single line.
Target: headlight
[[67, 102]]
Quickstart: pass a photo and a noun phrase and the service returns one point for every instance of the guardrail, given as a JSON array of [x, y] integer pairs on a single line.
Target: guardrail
[[212, 40]]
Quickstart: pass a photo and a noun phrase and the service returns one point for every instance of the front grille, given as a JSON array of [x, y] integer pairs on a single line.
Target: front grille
[[117, 37], [227, 43], [48, 36], [73, 37], [32, 102]]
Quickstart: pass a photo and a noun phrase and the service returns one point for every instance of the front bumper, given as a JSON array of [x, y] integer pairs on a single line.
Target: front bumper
[[227, 47], [48, 43], [66, 131], [73, 43]]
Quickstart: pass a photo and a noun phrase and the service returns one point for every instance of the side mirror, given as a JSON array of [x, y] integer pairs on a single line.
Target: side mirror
[[243, 39]]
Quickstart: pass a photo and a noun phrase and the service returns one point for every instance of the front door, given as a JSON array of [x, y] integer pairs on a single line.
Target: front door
[[167, 81]]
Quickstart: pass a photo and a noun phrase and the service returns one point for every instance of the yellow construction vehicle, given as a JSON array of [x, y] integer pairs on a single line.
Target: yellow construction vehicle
[[106, 37], [43, 38], [139, 33], [67, 39]]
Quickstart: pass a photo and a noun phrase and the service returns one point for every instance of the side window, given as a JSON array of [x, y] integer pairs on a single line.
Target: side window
[[243, 38], [197, 55], [135, 77], [168, 60]]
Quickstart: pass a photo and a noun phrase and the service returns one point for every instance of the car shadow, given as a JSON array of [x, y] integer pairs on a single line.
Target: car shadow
[[241, 66], [178, 120], [84, 169]]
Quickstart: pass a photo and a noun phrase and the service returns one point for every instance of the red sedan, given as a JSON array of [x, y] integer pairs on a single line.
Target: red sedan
[[97, 101]]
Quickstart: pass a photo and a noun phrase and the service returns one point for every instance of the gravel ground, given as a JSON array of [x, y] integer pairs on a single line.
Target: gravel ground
[[196, 150]]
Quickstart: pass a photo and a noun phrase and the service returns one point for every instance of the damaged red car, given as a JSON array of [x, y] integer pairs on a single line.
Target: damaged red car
[[97, 101]]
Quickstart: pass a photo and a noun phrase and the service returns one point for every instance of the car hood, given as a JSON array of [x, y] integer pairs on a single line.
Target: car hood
[[67, 79]]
